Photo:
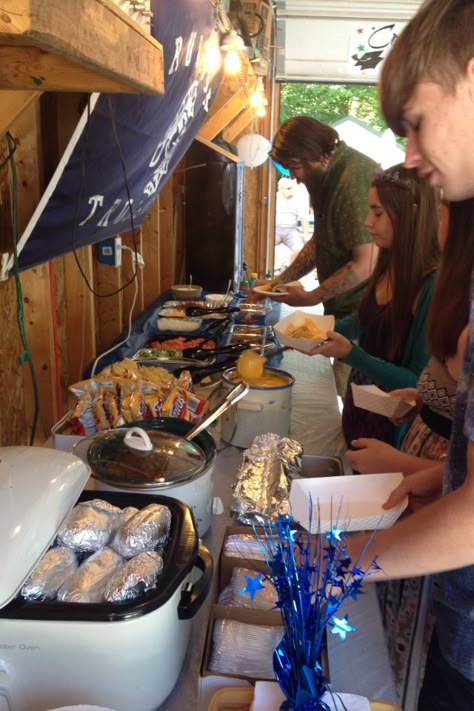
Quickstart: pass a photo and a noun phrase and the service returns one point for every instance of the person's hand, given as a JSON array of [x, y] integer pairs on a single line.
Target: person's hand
[[409, 395], [295, 296], [372, 456], [422, 488], [338, 346]]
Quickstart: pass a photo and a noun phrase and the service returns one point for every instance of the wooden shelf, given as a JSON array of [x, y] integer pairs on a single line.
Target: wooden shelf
[[76, 45]]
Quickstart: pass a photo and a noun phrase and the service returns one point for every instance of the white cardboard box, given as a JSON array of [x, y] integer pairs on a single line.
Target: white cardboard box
[[350, 503]]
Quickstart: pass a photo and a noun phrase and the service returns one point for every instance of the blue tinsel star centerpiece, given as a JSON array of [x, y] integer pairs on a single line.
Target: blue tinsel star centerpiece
[[313, 576]]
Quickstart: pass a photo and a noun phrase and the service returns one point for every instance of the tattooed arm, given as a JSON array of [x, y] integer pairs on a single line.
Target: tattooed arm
[[345, 279], [348, 276]]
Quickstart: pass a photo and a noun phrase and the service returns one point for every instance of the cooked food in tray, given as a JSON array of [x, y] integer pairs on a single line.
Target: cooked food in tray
[[196, 309], [166, 323], [182, 343], [163, 355]]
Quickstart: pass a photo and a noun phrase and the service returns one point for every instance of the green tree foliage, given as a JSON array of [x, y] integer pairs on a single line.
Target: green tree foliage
[[330, 102]]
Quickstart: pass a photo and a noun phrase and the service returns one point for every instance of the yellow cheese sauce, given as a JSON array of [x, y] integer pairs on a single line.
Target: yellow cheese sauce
[[269, 379]]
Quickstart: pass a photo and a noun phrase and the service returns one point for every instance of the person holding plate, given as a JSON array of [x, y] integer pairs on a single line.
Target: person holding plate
[[389, 326], [406, 604], [427, 94], [337, 178]]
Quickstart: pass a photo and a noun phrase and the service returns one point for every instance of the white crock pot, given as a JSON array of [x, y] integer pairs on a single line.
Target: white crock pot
[[53, 654], [264, 409], [195, 491]]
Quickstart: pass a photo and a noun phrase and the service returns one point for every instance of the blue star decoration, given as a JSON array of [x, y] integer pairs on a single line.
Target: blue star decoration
[[253, 584], [334, 533], [341, 627]]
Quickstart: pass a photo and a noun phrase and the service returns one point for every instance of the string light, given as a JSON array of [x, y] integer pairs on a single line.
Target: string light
[[257, 99], [232, 45]]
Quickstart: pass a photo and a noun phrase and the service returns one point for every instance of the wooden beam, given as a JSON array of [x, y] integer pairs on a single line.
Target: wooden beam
[[94, 35], [219, 120], [26, 67], [238, 125], [219, 149], [12, 104]]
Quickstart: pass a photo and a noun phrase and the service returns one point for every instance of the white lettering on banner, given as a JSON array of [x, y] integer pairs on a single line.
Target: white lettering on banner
[[164, 151], [205, 101], [95, 201], [104, 220], [178, 46], [125, 212], [189, 49]]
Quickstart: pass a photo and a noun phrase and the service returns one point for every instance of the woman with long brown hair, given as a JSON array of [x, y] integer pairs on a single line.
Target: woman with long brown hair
[[405, 603], [391, 348]]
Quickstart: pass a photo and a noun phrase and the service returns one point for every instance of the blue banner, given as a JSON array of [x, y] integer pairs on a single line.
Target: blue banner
[[126, 146]]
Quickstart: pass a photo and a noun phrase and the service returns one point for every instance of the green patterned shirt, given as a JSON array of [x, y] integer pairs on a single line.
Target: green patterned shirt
[[339, 224]]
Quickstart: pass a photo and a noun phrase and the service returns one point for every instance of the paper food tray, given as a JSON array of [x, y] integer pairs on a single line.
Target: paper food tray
[[297, 318], [370, 397], [352, 503], [278, 290]]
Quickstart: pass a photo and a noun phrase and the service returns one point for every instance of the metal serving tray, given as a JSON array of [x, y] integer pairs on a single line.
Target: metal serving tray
[[313, 465]]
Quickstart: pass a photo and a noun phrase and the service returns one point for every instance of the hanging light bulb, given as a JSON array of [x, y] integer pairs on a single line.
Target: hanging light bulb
[[258, 98], [232, 45]]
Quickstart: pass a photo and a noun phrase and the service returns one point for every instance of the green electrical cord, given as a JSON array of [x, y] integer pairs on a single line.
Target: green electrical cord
[[26, 355]]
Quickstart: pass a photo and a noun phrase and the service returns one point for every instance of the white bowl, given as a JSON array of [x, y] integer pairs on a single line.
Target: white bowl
[[219, 299]]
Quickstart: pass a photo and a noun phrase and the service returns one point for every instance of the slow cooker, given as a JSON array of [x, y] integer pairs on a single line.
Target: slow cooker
[[122, 656], [264, 409], [193, 487]]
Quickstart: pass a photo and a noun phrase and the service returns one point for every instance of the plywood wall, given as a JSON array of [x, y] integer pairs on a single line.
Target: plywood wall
[[66, 325]]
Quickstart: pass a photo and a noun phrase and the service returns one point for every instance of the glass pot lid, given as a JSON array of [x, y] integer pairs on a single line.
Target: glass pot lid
[[135, 458]]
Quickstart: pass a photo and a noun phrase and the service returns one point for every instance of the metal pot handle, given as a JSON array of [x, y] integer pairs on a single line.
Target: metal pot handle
[[194, 594], [136, 438]]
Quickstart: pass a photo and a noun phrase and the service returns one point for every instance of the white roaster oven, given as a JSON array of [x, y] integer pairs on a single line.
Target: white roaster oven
[[122, 656]]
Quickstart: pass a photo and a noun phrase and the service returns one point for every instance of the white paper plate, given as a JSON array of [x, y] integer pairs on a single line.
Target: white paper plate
[[263, 289], [370, 397], [351, 503], [297, 318]]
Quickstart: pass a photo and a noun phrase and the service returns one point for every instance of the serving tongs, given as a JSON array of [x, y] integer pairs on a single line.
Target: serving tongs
[[193, 311], [230, 349], [198, 372]]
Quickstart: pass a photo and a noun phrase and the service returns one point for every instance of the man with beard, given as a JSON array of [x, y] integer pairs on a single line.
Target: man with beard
[[338, 179]]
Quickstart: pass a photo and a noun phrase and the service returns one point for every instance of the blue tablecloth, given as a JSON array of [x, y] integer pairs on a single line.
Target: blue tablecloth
[[144, 327]]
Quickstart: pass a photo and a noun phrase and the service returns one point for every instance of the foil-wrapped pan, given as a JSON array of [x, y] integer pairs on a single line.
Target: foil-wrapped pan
[[266, 469]]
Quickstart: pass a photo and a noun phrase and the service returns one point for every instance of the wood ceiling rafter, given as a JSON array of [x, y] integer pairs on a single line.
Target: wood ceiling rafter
[[100, 49]]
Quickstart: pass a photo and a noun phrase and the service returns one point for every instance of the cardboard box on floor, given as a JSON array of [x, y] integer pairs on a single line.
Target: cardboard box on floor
[[246, 615], [258, 617]]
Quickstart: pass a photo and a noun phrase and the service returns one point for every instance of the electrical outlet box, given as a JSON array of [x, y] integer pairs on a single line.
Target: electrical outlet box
[[110, 251]]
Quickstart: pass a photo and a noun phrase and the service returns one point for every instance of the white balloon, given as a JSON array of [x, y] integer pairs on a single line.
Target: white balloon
[[253, 149]]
